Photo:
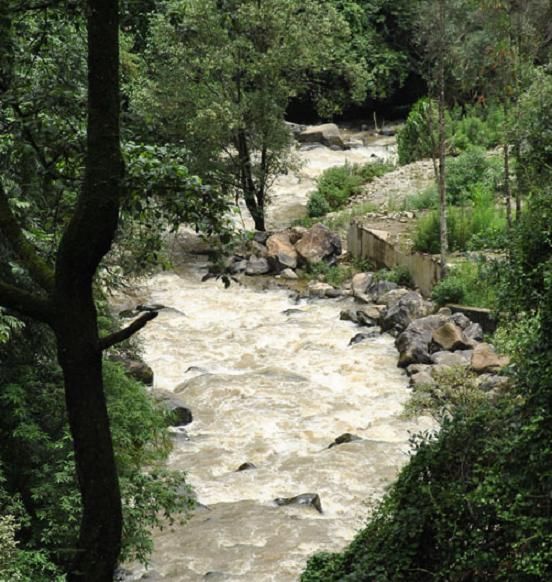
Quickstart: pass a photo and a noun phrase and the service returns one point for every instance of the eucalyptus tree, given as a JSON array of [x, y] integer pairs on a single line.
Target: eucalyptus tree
[[218, 77]]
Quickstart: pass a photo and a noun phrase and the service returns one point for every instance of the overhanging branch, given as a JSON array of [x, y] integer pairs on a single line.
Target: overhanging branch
[[123, 334], [37, 268], [25, 303]]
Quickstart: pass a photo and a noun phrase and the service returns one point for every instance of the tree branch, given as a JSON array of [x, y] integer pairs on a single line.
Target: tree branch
[[39, 270], [125, 333], [25, 303]]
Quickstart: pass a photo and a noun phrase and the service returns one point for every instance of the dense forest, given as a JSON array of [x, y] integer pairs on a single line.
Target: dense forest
[[120, 123]]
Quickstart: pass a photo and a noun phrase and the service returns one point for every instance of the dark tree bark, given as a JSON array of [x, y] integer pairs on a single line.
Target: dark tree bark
[[63, 298], [254, 197]]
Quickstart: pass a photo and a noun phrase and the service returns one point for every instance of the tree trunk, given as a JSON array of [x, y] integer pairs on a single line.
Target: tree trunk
[[81, 360], [507, 190], [85, 242], [253, 199], [443, 235]]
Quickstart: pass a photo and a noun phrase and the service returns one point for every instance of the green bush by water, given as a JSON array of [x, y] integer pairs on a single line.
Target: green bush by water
[[336, 185]]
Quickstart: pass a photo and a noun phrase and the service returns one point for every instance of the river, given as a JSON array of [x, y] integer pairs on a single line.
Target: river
[[270, 382]]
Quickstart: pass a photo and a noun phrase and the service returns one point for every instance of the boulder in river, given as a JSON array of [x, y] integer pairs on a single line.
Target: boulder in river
[[413, 342], [281, 251], [360, 284], [450, 337], [179, 413], [136, 369], [409, 307], [246, 467], [345, 438], [327, 134], [360, 337], [312, 499], [319, 244], [257, 266]]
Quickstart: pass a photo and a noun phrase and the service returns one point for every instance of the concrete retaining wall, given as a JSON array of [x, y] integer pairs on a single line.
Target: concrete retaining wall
[[374, 245]]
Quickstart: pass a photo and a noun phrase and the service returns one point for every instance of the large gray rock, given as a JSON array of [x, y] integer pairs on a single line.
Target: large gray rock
[[319, 244], [257, 266], [452, 359], [450, 337], [409, 307], [136, 369], [413, 342], [379, 289], [474, 332], [327, 134], [179, 413], [319, 289], [311, 499], [281, 251], [360, 285], [392, 297]]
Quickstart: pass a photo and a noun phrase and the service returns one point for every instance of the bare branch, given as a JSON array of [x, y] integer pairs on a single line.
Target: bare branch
[[125, 333], [39, 270], [26, 303]]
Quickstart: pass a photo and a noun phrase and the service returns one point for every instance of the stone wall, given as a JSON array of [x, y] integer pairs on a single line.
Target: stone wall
[[374, 245]]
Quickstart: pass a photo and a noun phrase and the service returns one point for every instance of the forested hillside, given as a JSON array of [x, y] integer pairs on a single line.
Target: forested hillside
[[122, 123]]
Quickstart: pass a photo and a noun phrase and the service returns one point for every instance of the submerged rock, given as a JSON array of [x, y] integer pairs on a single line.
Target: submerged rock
[[179, 413], [346, 437], [246, 467], [312, 499], [360, 337]]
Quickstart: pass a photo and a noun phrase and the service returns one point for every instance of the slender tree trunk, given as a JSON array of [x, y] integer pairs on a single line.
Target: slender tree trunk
[[507, 189], [443, 235], [254, 199]]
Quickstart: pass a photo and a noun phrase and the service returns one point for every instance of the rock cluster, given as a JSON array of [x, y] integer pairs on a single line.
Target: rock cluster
[[285, 251], [426, 341]]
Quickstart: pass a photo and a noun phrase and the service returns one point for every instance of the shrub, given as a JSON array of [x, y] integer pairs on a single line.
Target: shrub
[[36, 449], [423, 200], [449, 290], [466, 127], [472, 171], [481, 222], [399, 275], [336, 185]]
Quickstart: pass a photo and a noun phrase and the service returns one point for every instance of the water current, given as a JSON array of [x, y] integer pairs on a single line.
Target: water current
[[271, 382]]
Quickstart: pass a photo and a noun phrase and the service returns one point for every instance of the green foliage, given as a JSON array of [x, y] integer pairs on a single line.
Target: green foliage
[[37, 459], [534, 129], [423, 200], [455, 392], [479, 226], [467, 128], [399, 275], [470, 282], [471, 175], [338, 184], [334, 275], [217, 78]]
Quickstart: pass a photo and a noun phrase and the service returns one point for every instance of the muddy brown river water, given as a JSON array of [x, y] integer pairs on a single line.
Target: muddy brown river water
[[272, 387]]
